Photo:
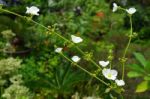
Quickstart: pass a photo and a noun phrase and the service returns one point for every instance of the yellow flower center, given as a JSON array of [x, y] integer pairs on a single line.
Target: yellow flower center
[[109, 75]]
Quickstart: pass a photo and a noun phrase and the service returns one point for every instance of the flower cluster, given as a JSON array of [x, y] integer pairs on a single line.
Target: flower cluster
[[75, 39], [110, 74], [129, 11], [16, 90], [9, 66]]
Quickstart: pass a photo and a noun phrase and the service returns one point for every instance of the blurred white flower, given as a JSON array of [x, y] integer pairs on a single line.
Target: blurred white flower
[[103, 63], [75, 58], [76, 39], [131, 10], [33, 10], [115, 7], [120, 82], [58, 50], [109, 74]]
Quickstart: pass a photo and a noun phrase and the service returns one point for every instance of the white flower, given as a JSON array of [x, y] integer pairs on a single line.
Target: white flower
[[103, 63], [131, 10], [109, 74], [58, 50], [120, 82], [76, 39], [32, 10], [115, 7], [75, 58]]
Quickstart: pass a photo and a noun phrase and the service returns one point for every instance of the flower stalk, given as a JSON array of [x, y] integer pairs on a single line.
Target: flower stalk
[[127, 47]]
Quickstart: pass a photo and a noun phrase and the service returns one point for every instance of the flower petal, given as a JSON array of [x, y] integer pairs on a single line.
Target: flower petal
[[33, 10], [109, 74], [75, 58], [114, 72], [76, 39], [58, 50], [131, 10], [120, 82], [115, 7], [103, 63]]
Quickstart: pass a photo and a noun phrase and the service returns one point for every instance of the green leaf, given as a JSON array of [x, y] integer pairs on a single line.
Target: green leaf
[[147, 67], [143, 86], [133, 74], [140, 58], [137, 68], [147, 78]]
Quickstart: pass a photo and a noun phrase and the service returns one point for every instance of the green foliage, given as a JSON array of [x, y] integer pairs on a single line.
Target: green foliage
[[140, 58], [141, 70], [51, 77], [16, 90], [9, 66]]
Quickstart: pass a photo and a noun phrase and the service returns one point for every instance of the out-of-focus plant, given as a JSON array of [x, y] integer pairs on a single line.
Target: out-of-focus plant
[[16, 90], [141, 70], [8, 68], [8, 35]]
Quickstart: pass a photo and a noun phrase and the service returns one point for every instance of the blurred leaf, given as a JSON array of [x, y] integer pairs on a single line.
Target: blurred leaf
[[140, 58], [147, 78], [119, 90], [133, 74], [143, 86], [147, 67], [137, 68]]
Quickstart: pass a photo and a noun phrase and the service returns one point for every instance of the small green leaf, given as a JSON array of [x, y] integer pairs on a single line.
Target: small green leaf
[[147, 78], [133, 74], [143, 86], [140, 58]]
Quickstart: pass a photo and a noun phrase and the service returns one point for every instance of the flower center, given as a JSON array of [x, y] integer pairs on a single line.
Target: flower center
[[109, 75]]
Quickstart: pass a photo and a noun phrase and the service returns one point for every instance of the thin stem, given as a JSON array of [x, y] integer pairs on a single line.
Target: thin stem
[[126, 49], [85, 70], [122, 8], [24, 17], [12, 13], [89, 59]]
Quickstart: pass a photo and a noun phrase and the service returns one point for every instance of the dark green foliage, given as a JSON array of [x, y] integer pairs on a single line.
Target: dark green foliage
[[141, 70]]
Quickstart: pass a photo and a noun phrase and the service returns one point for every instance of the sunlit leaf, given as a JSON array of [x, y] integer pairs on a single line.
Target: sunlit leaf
[[143, 86], [147, 78]]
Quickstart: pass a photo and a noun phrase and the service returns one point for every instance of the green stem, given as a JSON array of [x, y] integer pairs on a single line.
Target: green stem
[[24, 17], [127, 47], [89, 59], [85, 70]]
